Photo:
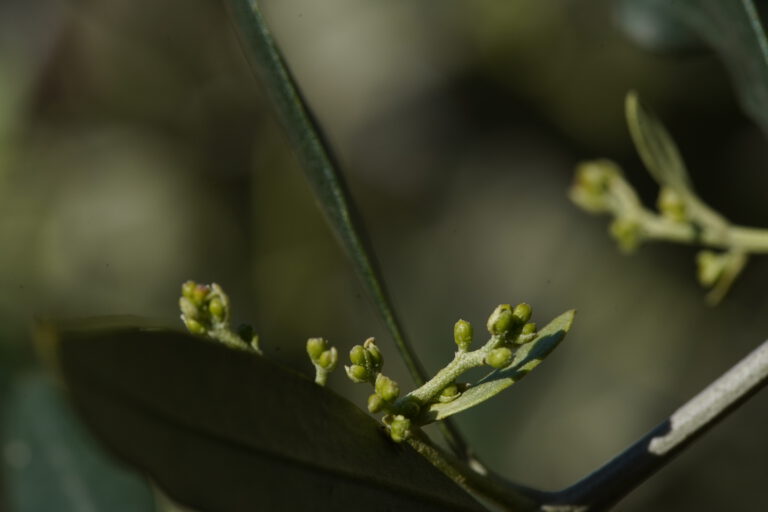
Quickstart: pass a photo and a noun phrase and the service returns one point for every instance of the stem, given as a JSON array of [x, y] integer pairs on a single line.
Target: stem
[[617, 478], [322, 172], [462, 362], [748, 239], [499, 492], [229, 338]]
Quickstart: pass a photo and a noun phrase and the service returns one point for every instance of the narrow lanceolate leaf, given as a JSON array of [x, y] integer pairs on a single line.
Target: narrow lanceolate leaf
[[52, 463], [225, 430], [528, 357], [319, 164], [733, 29], [661, 157]]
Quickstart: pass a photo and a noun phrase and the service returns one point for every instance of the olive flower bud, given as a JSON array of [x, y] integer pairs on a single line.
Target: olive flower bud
[[462, 335], [499, 357], [500, 320]]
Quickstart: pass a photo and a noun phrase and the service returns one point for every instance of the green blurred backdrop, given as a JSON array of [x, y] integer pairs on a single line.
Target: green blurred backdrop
[[137, 151]]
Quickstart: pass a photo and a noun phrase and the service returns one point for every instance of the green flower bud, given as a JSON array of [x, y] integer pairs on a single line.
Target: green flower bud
[[399, 428], [375, 403], [357, 373], [316, 347], [216, 308], [188, 309], [328, 359], [188, 288], [591, 189], [194, 326], [449, 393], [199, 294], [522, 313], [529, 328], [627, 233], [386, 388], [374, 354], [671, 205], [357, 355], [710, 266], [462, 335], [499, 357], [500, 320]]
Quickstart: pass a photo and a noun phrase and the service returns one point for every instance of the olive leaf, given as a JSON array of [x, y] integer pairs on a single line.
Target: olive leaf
[[220, 429], [733, 29], [661, 157], [52, 463], [320, 167], [527, 357]]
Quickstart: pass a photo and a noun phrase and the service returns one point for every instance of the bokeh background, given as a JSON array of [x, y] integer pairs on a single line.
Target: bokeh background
[[138, 151]]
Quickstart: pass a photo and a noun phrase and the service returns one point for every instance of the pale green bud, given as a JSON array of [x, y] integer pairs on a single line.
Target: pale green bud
[[671, 205], [500, 320], [710, 266], [591, 188], [522, 313], [386, 388], [462, 335], [216, 308], [188, 288], [499, 357], [375, 403], [627, 233], [188, 309], [357, 373], [328, 359], [449, 393], [316, 347], [357, 355], [529, 328], [399, 428], [194, 326], [199, 294], [374, 354]]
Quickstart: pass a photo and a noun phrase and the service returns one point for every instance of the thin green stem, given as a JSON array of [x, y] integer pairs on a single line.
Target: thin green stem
[[461, 363], [487, 487]]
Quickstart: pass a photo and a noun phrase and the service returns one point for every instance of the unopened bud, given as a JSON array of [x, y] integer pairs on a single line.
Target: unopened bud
[[499, 357], [529, 328], [627, 233], [357, 373], [462, 335], [357, 355], [522, 313], [449, 393], [374, 354], [188, 309], [188, 288], [386, 388], [399, 428], [193, 326], [375, 403], [316, 347], [328, 359], [216, 308], [671, 205], [500, 320], [199, 294]]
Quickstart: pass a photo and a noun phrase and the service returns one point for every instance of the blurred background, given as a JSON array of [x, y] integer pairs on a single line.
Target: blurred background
[[137, 151]]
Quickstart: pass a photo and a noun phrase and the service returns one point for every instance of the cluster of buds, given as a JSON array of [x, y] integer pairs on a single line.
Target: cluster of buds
[[512, 328], [323, 356], [366, 362], [592, 188], [204, 307]]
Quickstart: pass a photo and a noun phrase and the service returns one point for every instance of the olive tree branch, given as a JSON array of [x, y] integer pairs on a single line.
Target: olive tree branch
[[606, 486]]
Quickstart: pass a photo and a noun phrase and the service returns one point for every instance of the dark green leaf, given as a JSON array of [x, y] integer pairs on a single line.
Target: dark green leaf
[[320, 167], [224, 430], [52, 464], [733, 29], [528, 357]]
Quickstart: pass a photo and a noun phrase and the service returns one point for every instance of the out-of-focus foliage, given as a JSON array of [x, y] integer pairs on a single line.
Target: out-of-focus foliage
[[144, 154]]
